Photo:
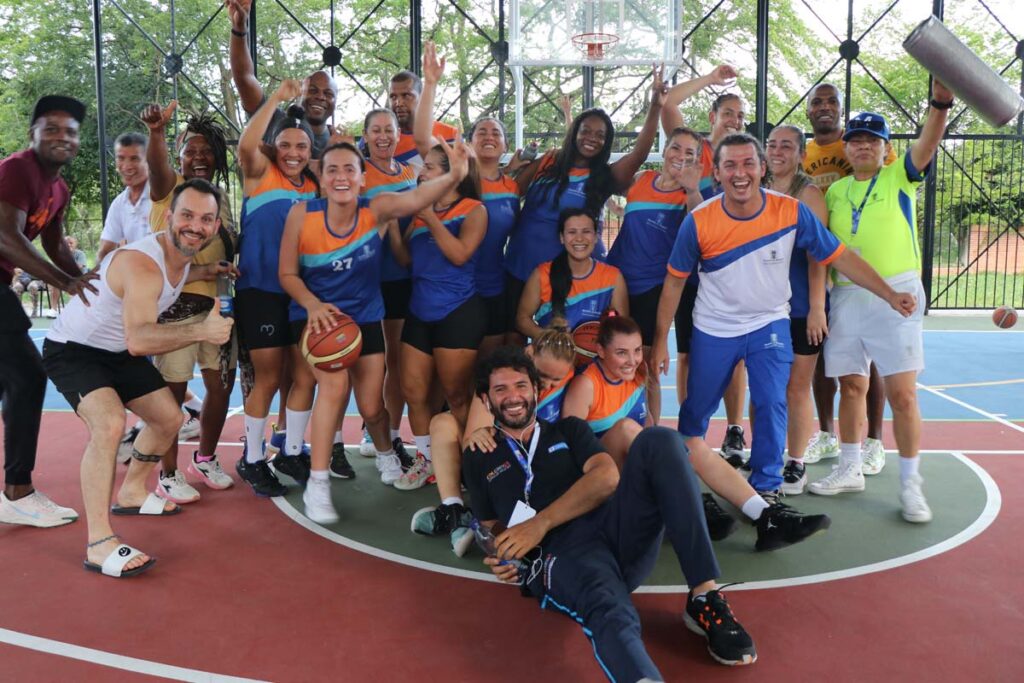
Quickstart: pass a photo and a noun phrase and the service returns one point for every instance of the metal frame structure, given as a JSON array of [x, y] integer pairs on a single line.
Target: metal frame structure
[[502, 56]]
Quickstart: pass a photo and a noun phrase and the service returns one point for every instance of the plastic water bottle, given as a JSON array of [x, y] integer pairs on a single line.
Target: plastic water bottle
[[227, 300], [486, 541]]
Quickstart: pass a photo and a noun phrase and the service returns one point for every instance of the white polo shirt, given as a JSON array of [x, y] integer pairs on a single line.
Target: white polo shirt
[[127, 222]]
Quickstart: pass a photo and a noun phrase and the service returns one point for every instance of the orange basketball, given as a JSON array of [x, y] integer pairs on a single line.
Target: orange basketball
[[1004, 317], [334, 349], [584, 338]]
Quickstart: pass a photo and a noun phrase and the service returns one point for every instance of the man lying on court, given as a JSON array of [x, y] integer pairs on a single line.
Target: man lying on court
[[587, 535], [95, 354]]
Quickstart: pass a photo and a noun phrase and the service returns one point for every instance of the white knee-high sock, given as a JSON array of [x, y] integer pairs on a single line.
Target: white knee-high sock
[[255, 427], [297, 421]]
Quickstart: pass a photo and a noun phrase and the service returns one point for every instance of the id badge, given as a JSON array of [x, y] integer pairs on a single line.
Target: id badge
[[521, 513]]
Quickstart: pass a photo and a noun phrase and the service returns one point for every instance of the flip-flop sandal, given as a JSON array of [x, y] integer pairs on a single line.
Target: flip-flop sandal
[[153, 505], [117, 560]]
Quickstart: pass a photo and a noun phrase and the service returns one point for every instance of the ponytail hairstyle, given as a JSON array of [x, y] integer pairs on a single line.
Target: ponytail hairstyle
[[468, 187], [557, 343], [613, 323], [600, 186], [561, 275], [295, 117]]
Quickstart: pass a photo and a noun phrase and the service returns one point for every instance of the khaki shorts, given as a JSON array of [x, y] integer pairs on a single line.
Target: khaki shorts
[[179, 366]]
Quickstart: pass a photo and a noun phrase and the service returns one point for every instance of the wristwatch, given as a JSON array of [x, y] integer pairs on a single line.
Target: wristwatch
[[940, 105]]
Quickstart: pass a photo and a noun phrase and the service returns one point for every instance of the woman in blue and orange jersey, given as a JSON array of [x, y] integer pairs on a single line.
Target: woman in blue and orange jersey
[[270, 187], [446, 317], [656, 205], [329, 264], [500, 195], [611, 392], [578, 175], [554, 355], [574, 288], [384, 173]]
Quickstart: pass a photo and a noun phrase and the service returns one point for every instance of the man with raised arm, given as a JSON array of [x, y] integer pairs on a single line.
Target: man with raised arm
[[33, 198], [574, 533], [319, 91], [873, 213], [97, 358]]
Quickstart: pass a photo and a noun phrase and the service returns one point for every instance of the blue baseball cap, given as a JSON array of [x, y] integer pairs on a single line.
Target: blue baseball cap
[[867, 122]]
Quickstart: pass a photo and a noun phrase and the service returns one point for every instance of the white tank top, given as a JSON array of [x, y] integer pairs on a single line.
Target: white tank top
[[101, 323]]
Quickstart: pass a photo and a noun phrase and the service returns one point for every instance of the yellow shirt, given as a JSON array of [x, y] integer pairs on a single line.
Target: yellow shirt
[[212, 253], [827, 163]]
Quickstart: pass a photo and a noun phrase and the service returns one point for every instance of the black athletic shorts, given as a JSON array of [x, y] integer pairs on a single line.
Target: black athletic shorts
[[643, 308], [513, 293], [396, 295], [684, 319], [373, 336], [261, 319], [463, 328], [78, 370], [798, 331], [496, 310]]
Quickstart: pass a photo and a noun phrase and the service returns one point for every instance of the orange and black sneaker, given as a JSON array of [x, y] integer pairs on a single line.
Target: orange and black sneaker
[[709, 615]]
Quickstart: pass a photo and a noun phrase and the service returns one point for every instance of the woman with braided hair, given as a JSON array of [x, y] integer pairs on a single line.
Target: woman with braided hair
[[202, 153]]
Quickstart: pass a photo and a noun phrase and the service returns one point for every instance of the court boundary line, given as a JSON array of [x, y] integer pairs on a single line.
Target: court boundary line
[[972, 408], [115, 661], [988, 514]]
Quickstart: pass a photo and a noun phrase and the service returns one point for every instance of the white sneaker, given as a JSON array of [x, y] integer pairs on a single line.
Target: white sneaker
[[212, 474], [50, 313], [874, 457], [841, 480], [176, 489], [35, 509], [915, 507], [416, 476], [390, 468], [317, 499], [822, 445], [189, 430], [366, 447]]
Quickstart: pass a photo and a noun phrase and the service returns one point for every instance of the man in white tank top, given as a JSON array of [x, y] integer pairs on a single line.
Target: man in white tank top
[[95, 354]]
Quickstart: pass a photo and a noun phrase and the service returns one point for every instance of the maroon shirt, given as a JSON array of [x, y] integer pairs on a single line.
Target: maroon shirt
[[24, 186]]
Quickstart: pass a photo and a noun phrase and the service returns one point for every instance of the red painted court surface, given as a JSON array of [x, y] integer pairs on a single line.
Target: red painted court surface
[[243, 592]]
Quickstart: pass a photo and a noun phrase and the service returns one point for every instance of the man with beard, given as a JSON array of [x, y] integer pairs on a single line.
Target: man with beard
[[96, 357], [575, 534], [319, 92], [128, 216], [202, 153], [33, 198], [826, 163]]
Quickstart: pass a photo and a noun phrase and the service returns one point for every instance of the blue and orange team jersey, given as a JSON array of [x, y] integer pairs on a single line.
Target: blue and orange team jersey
[[614, 401], [501, 197], [745, 262], [341, 267], [708, 186], [549, 406], [376, 181], [589, 296], [799, 285], [438, 285], [535, 238], [649, 228], [406, 151], [263, 215]]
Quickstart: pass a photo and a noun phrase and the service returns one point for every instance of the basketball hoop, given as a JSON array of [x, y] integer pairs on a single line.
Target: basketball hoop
[[593, 44]]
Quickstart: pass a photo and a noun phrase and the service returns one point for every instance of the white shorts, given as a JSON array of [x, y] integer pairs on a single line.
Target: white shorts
[[863, 328]]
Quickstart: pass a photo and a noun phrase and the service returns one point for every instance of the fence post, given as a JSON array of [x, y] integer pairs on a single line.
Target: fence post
[[930, 191]]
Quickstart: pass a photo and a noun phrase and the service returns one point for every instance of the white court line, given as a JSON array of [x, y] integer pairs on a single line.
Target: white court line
[[115, 661], [974, 409], [993, 503]]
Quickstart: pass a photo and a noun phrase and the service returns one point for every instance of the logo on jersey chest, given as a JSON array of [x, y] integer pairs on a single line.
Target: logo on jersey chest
[[366, 253], [500, 469], [772, 257]]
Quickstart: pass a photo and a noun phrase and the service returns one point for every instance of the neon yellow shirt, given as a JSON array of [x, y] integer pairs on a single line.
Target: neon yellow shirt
[[886, 234]]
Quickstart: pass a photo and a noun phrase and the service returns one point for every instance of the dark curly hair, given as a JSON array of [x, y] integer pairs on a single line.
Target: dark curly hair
[[204, 124]]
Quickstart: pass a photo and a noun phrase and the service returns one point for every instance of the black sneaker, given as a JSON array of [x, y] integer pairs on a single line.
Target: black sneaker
[[442, 520], [406, 460], [260, 478], [711, 617], [794, 478], [340, 467], [733, 445], [295, 466], [781, 525], [720, 523], [191, 413]]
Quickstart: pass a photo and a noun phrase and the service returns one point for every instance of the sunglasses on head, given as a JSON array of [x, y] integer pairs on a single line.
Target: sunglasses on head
[[875, 125]]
